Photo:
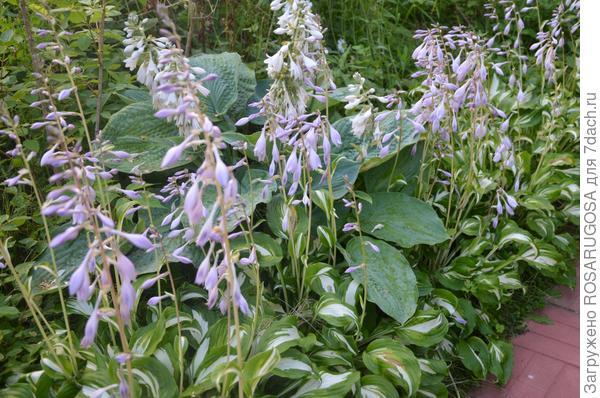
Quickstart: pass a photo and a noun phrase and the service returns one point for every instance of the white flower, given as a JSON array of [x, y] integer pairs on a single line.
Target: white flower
[[360, 122]]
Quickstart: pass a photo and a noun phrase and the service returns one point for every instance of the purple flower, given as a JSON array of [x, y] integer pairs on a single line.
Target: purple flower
[[260, 149], [192, 204], [349, 270], [64, 94], [173, 155], [511, 201], [138, 240], [125, 267], [79, 283], [66, 236], [91, 328], [251, 259], [221, 171], [373, 247], [152, 301], [211, 279], [335, 136], [241, 302], [350, 227], [127, 300]]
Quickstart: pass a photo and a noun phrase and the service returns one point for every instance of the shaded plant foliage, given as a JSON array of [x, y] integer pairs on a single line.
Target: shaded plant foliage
[[222, 234]]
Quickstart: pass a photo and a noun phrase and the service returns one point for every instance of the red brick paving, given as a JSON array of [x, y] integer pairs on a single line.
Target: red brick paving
[[546, 358]]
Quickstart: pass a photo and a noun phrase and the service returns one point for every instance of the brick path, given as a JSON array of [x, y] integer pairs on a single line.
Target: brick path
[[546, 357]]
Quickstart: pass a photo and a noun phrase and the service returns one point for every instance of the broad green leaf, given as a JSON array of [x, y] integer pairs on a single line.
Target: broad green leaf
[[257, 368], [345, 172], [425, 328], [402, 219], [233, 87], [322, 278], [293, 365], [511, 233], [327, 385], [456, 275], [501, 359], [68, 257], [433, 371], [359, 149], [18, 390], [326, 358], [396, 174], [544, 257], [375, 386], [393, 360], [543, 226], [281, 334], [475, 355], [145, 340], [277, 209], [268, 250], [448, 301], [438, 390], [134, 129], [155, 378], [390, 281], [336, 313]]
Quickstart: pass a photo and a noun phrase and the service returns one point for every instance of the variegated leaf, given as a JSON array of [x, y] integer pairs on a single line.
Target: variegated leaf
[[336, 313], [425, 328], [393, 360]]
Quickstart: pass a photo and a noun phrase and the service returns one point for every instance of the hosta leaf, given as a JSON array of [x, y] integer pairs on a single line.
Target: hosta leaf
[[293, 365], [358, 149], [233, 87], [68, 257], [543, 226], [511, 233], [155, 378], [345, 171], [322, 278], [268, 250], [472, 226], [544, 257], [537, 203], [433, 371], [327, 385], [296, 215], [486, 287], [18, 390], [132, 95], [257, 368], [475, 355], [326, 358], [334, 339], [398, 173], [424, 329], [134, 129], [448, 301], [336, 313], [391, 359], [402, 219], [454, 276], [390, 281], [375, 386], [438, 390], [501, 359], [281, 334], [146, 339]]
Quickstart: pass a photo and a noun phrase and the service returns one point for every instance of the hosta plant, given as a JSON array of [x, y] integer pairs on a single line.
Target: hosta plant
[[223, 236]]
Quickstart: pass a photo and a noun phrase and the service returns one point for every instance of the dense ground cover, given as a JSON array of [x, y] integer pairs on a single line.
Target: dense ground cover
[[371, 211]]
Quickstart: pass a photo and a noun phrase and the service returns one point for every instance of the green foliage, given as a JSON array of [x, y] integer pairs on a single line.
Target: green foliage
[[435, 289], [389, 279]]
